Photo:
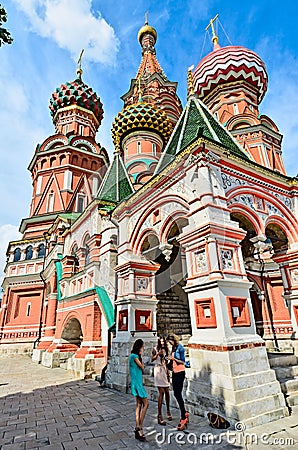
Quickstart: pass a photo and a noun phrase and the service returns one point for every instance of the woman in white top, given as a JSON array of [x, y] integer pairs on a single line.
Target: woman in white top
[[161, 377]]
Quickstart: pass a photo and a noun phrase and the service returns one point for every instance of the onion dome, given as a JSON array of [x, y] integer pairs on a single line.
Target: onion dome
[[76, 93], [227, 65], [141, 116]]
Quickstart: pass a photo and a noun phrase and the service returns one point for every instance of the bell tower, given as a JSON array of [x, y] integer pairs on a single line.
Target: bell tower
[[67, 167]]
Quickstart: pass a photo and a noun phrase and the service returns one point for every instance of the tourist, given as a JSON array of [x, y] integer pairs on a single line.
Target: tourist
[[136, 368], [178, 360], [161, 377]]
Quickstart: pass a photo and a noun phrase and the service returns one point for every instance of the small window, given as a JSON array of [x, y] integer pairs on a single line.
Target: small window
[[66, 129], [154, 149], [28, 309], [41, 251], [126, 152], [38, 185], [17, 254], [51, 199], [216, 115], [251, 108], [81, 203], [29, 252], [87, 250], [235, 107], [81, 130], [139, 146]]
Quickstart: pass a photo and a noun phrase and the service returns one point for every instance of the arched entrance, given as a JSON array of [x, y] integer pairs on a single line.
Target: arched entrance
[[252, 267], [259, 251], [73, 332], [172, 309]]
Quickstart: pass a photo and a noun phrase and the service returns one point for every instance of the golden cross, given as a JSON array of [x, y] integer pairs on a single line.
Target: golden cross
[[146, 18], [79, 69], [211, 24]]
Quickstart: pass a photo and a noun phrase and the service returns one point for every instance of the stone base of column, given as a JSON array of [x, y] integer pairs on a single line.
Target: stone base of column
[[234, 381], [58, 353], [117, 376], [86, 367]]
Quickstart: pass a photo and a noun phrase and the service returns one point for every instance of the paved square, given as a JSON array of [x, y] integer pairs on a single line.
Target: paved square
[[47, 408]]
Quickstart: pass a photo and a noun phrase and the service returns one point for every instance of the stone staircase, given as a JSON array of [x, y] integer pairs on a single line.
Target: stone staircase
[[286, 369], [173, 315]]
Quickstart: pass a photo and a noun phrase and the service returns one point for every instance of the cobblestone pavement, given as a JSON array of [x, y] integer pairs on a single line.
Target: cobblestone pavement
[[47, 408]]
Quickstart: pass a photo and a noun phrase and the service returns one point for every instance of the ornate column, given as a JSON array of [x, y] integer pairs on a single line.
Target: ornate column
[[229, 373], [288, 263], [136, 315]]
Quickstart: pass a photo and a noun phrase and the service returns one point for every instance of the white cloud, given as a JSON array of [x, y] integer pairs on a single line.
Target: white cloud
[[8, 233], [73, 25]]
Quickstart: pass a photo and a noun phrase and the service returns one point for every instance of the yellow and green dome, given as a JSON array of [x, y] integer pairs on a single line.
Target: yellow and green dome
[[141, 116]]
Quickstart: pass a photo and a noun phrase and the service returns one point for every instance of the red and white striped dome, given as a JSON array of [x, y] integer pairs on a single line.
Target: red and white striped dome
[[230, 64]]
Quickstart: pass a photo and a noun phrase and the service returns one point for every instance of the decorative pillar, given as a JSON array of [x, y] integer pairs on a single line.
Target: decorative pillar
[[230, 372], [136, 315], [49, 329], [288, 263]]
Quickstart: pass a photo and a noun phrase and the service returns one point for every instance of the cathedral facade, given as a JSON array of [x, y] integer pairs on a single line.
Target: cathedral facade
[[190, 228]]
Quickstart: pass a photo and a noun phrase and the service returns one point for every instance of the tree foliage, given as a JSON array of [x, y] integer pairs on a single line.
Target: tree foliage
[[5, 36]]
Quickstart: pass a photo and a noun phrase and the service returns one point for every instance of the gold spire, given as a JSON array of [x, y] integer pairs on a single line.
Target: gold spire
[[190, 86], [146, 29], [79, 69], [214, 35]]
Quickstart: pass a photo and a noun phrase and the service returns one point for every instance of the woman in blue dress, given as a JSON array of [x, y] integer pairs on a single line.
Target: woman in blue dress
[[136, 368]]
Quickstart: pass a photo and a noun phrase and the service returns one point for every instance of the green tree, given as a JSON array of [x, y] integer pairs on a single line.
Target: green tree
[[5, 36]]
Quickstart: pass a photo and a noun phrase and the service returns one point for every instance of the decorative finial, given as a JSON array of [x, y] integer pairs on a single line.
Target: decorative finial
[[79, 69], [190, 86], [214, 35], [140, 99], [146, 17]]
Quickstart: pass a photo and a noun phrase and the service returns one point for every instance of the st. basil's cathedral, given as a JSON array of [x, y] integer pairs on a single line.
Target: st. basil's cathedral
[[190, 228]]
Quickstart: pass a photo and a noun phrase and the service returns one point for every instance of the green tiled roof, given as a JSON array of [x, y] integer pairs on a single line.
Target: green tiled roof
[[196, 120], [116, 184]]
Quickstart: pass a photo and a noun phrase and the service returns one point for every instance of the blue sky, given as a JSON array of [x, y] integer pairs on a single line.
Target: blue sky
[[49, 34]]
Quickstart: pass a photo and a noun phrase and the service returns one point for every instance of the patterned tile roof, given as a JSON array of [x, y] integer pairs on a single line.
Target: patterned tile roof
[[116, 184], [195, 121]]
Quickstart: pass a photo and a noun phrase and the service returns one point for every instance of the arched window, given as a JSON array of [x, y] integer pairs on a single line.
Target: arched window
[[52, 161], [139, 146], [17, 254], [29, 252], [41, 251], [76, 259], [81, 203]]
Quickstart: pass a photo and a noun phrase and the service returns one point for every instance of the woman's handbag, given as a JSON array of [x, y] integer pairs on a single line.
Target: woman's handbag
[[216, 421]]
